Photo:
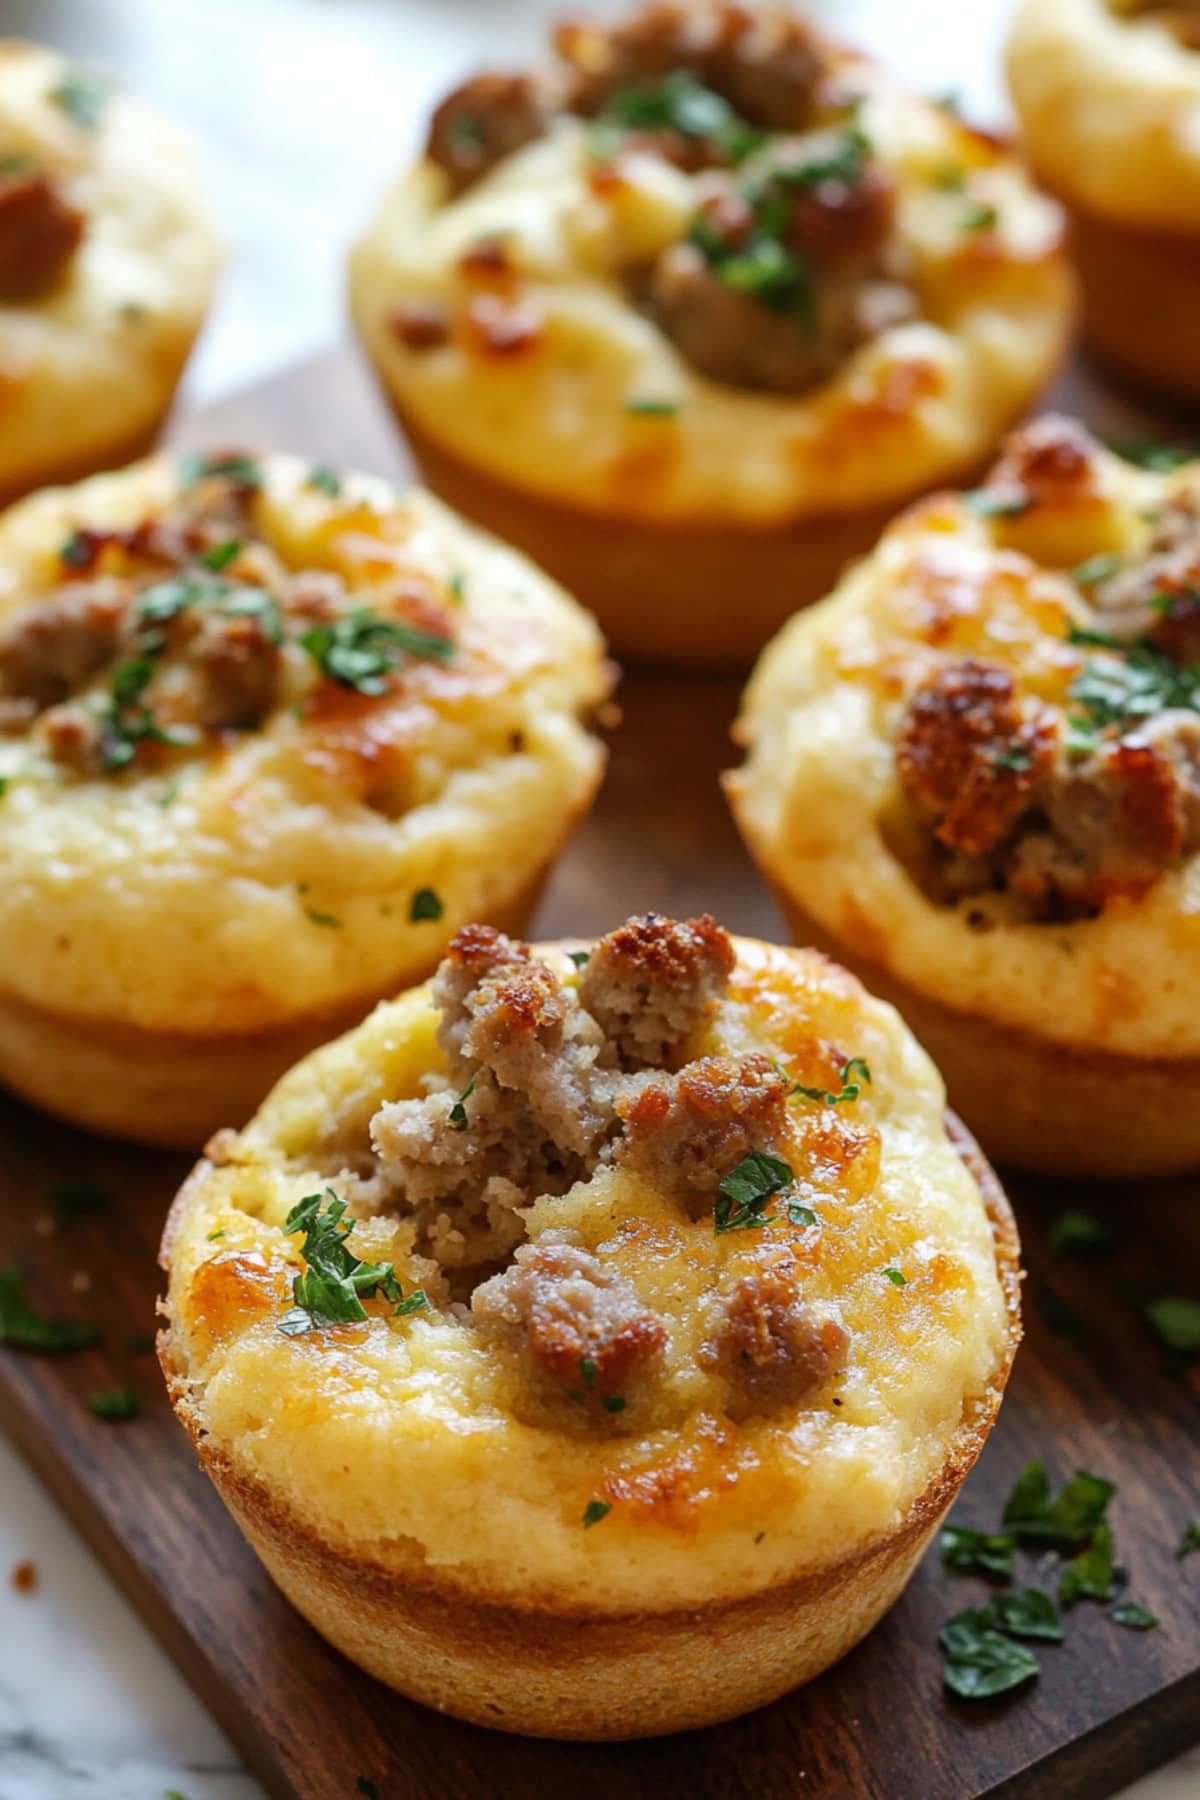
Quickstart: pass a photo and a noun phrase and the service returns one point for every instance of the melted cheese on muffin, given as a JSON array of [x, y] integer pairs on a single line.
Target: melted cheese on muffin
[[1109, 102], [502, 317], [978, 763], [268, 736], [90, 354], [671, 1388]]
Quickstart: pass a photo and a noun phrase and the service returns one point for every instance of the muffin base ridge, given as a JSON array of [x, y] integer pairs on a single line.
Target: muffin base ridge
[[688, 595], [173, 1089], [1130, 276], [1034, 1104], [566, 1672]]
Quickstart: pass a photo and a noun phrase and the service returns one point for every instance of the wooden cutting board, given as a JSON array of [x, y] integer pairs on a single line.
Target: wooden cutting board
[[1110, 1703]]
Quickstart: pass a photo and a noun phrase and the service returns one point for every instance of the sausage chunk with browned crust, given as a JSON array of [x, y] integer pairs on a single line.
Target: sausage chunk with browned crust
[[39, 234], [689, 1130], [774, 1351], [483, 121], [649, 983]]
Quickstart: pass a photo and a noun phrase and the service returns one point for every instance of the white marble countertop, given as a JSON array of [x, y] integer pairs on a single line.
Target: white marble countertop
[[305, 107]]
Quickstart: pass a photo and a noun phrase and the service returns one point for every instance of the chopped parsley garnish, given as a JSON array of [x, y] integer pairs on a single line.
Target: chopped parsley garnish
[[950, 177], [83, 96], [982, 1662], [613, 1403], [1089, 1576], [322, 918], [988, 1552], [1160, 459], [1078, 1232], [980, 217], [988, 504], [579, 958], [800, 1215], [74, 1198], [114, 1404], [682, 104], [360, 649], [1132, 1616], [1189, 1541], [325, 480], [458, 1112], [1025, 1612], [1176, 1320], [759, 263], [747, 1189], [595, 1510], [335, 1281], [221, 555], [587, 1371], [78, 551], [126, 720], [465, 133], [414, 1302], [1016, 756], [458, 587], [425, 905], [198, 465], [1115, 689], [1095, 569], [22, 1327], [852, 1074], [897, 1277], [652, 409]]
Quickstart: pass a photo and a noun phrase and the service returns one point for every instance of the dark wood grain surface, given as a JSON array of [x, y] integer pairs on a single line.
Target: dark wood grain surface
[[1109, 1704]]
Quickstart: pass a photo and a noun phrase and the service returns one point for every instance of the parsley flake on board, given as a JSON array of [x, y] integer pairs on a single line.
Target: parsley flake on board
[[595, 1510], [988, 1552], [366, 1787], [1077, 1232], [981, 1662], [361, 649], [747, 1189], [114, 1404], [1072, 1518], [425, 906], [1089, 1576], [1189, 1541], [851, 1075], [22, 1327], [1176, 1321], [335, 1281], [1132, 1616], [82, 95], [75, 1198]]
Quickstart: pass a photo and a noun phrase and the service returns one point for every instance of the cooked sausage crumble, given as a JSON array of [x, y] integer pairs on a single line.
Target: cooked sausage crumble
[[550, 1079], [790, 260]]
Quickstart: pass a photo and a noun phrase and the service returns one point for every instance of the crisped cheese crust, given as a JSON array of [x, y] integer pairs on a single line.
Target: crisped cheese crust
[[1110, 110], [406, 1440], [270, 872], [553, 417], [820, 792], [92, 362]]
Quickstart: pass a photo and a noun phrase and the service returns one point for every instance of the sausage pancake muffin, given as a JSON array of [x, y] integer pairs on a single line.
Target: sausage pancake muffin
[[591, 1341], [688, 313], [1107, 92], [268, 736], [108, 260], [975, 772]]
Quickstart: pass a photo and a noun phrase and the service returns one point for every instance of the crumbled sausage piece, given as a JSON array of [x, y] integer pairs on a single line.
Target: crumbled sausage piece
[[649, 983], [969, 755], [420, 324], [39, 234], [689, 1130], [483, 121], [583, 1324], [50, 649], [764, 60], [1158, 597], [236, 665], [72, 737], [1053, 459], [506, 1010], [845, 289], [1116, 820], [771, 1347]]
